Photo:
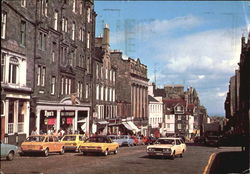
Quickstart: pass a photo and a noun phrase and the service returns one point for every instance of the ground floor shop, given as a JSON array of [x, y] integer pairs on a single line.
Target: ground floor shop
[[15, 118], [70, 118]]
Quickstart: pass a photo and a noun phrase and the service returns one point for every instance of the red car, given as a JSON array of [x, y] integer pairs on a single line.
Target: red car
[[136, 141]]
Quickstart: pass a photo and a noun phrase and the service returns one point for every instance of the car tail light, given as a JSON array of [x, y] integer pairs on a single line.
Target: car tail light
[[41, 147]]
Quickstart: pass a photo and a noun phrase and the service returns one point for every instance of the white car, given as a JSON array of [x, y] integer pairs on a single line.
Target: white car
[[169, 147]]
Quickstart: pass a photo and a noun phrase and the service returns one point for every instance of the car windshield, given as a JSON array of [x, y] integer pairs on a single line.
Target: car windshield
[[35, 139], [165, 141], [97, 140], [69, 138]]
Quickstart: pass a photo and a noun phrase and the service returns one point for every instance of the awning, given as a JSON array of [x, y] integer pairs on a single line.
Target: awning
[[133, 126], [127, 126]]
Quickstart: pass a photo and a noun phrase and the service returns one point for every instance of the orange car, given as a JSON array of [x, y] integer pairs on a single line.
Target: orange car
[[42, 144]]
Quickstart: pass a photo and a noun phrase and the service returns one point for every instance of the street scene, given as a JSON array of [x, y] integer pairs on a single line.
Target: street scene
[[125, 87]]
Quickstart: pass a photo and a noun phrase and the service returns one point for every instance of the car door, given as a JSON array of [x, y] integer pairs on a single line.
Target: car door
[[3, 149], [178, 147], [57, 144], [51, 144]]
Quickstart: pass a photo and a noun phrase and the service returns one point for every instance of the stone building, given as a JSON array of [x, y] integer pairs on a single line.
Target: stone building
[[104, 85], [132, 94], [65, 35], [53, 57], [237, 103], [17, 59]]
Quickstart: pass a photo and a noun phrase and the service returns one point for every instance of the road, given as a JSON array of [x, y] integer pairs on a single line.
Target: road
[[129, 160]]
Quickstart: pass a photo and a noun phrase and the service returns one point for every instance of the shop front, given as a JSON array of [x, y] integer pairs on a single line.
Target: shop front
[[47, 120], [71, 118]]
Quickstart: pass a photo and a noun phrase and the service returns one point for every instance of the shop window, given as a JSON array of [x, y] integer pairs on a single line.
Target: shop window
[[21, 112], [11, 117]]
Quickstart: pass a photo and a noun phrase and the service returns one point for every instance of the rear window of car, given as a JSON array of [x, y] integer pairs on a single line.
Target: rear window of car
[[69, 138], [35, 139]]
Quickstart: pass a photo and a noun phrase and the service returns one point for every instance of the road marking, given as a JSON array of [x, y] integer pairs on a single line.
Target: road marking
[[209, 163]]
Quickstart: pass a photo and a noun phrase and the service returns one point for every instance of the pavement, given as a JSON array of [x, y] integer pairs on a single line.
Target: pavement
[[228, 160]]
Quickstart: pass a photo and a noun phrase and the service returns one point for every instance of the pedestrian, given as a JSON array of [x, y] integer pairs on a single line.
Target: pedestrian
[[34, 131]]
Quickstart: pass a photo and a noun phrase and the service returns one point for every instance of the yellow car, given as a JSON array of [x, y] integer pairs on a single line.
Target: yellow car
[[42, 144], [99, 144], [73, 141]]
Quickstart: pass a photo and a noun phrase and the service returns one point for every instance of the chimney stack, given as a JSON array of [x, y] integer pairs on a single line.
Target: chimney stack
[[105, 41]]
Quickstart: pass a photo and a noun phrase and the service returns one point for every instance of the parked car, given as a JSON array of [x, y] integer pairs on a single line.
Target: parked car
[[199, 140], [149, 140], [8, 151], [169, 147], [99, 144], [122, 140], [42, 144], [73, 141], [135, 140]]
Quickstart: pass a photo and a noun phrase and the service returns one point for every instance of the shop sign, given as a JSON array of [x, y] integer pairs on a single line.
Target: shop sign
[[68, 113], [49, 113], [69, 120], [51, 121]]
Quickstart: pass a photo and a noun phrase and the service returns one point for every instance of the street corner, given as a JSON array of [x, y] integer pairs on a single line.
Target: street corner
[[226, 162]]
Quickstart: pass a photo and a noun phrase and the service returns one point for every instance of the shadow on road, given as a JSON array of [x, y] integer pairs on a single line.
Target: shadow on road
[[156, 157], [230, 162]]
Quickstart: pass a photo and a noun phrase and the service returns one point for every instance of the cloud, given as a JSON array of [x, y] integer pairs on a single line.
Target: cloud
[[188, 54]]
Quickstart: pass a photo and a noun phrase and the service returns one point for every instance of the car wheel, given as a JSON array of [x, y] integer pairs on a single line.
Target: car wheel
[[116, 150], [173, 156], [181, 155], [10, 156], [106, 152], [46, 152], [62, 151]]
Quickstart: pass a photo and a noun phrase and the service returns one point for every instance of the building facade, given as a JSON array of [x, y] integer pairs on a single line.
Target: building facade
[[132, 94], [47, 66], [17, 58], [104, 85]]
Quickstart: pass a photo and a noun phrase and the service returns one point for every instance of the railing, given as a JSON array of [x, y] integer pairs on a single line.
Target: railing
[[10, 128]]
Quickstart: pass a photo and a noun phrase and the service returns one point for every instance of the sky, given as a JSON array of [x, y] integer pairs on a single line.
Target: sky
[[194, 43]]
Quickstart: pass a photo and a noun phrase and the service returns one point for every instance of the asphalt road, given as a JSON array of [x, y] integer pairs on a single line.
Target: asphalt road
[[129, 160]]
